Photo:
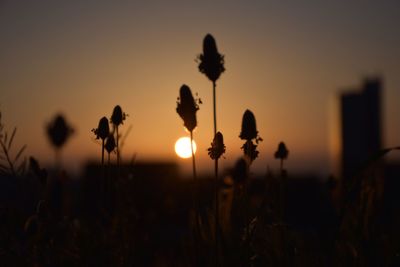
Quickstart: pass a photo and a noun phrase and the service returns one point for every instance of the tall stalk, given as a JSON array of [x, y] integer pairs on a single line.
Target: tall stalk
[[187, 108], [216, 183], [117, 145], [102, 152]]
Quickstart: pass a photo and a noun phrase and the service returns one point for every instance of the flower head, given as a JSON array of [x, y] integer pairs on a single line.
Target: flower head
[[103, 130], [250, 150], [187, 108], [211, 62], [217, 146], [110, 143], [282, 152], [117, 116], [249, 128], [59, 131]]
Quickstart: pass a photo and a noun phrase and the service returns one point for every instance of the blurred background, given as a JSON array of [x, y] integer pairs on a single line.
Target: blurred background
[[289, 64]]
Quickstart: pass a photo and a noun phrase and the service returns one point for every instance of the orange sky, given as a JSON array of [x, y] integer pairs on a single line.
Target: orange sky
[[285, 63]]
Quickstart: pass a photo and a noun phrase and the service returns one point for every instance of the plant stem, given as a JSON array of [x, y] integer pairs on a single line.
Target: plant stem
[[195, 202], [102, 153], [116, 128], [215, 108], [216, 214], [216, 180]]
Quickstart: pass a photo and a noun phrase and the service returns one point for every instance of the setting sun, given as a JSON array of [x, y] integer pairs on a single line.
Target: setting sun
[[183, 149]]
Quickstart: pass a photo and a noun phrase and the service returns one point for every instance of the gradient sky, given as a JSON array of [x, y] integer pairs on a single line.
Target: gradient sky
[[287, 62]]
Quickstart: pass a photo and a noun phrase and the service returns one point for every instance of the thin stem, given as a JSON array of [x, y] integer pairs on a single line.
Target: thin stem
[[102, 153], [215, 108], [193, 160], [116, 128], [195, 201], [216, 215], [216, 179], [58, 159]]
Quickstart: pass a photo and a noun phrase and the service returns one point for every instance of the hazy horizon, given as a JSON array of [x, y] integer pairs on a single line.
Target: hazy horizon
[[286, 63]]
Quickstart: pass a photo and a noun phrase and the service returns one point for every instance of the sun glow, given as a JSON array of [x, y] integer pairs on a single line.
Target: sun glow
[[183, 148]]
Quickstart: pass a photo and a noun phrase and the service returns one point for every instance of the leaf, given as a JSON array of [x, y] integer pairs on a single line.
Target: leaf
[[12, 138], [19, 153]]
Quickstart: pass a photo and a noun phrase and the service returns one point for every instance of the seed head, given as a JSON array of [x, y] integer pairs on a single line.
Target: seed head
[[58, 131], [282, 152], [249, 128], [217, 146], [211, 62], [117, 116], [250, 150], [110, 143], [187, 108], [103, 130]]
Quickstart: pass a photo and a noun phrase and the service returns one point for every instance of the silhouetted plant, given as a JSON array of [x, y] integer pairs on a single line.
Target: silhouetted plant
[[9, 165], [110, 145], [186, 108], [282, 153], [217, 146], [211, 63], [117, 118], [249, 133], [58, 132], [102, 132], [215, 152]]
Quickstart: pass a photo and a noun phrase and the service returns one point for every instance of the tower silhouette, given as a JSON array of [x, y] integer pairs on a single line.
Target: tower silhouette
[[361, 131]]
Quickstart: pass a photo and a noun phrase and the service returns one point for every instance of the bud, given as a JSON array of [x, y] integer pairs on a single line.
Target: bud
[[282, 152], [59, 131], [217, 146], [211, 63], [249, 129], [110, 144], [103, 130], [117, 116], [187, 108]]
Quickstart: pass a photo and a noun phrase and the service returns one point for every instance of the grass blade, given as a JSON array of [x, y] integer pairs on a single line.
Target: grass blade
[[19, 153], [5, 138], [12, 138]]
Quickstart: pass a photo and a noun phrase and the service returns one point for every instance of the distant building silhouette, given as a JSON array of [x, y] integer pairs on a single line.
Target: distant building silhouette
[[361, 131]]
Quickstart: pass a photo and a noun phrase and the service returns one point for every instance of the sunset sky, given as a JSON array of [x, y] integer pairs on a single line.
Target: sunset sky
[[286, 62]]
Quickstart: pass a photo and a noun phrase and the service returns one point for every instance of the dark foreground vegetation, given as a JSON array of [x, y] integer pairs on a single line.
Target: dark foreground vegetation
[[145, 217]]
